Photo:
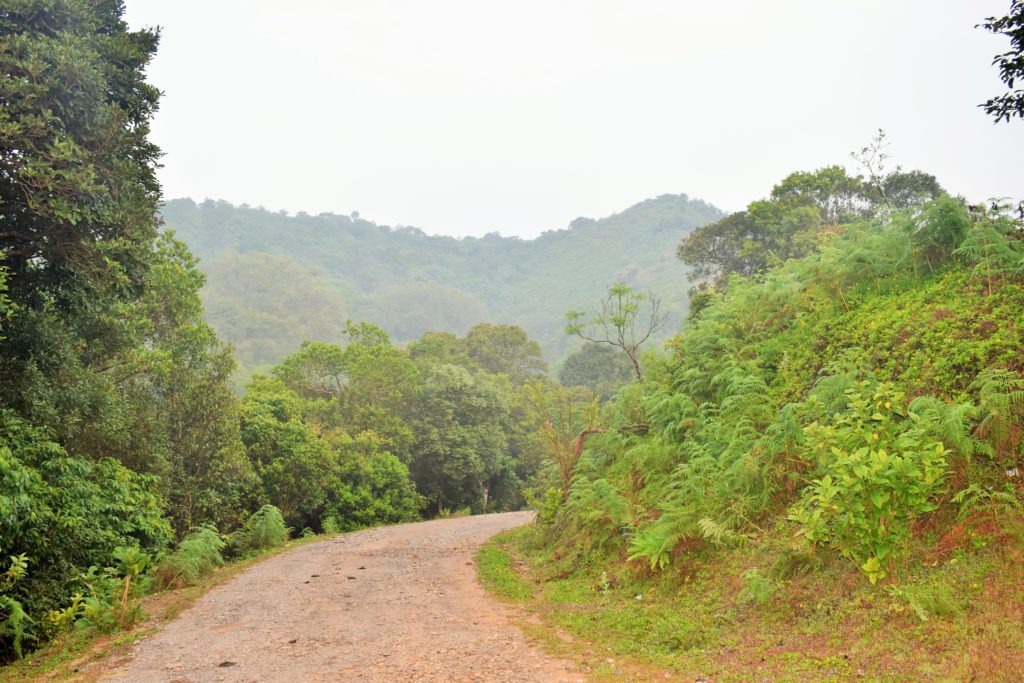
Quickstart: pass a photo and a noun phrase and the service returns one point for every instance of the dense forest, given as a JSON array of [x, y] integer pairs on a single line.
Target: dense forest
[[274, 279]]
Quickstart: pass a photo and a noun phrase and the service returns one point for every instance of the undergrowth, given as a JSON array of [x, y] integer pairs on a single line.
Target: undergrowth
[[767, 611]]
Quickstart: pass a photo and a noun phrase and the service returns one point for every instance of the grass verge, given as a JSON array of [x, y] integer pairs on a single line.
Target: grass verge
[[760, 613]]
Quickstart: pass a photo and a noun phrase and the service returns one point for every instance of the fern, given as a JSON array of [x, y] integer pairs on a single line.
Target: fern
[[974, 500], [994, 253], [1001, 409], [598, 511], [263, 530], [654, 544], [197, 555], [949, 422], [17, 623], [720, 534]]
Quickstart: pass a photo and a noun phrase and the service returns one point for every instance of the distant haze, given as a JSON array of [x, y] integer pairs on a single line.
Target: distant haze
[[467, 117]]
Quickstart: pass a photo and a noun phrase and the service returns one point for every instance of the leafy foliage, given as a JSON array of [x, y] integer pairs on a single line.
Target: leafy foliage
[[1011, 64], [460, 451], [880, 471], [598, 368], [623, 320], [802, 208], [197, 555], [265, 529], [60, 514], [783, 403]]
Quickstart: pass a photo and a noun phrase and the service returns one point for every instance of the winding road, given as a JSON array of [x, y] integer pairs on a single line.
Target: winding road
[[398, 603]]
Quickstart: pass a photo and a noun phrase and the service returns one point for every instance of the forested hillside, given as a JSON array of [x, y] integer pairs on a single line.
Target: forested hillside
[[327, 267]]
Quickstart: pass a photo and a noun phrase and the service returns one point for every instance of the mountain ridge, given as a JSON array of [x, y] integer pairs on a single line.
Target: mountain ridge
[[410, 282]]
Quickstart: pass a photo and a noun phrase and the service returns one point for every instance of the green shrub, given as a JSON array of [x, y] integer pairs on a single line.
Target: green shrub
[[331, 525], [109, 600], [14, 621], [264, 530], [879, 472], [64, 514], [196, 556], [548, 506]]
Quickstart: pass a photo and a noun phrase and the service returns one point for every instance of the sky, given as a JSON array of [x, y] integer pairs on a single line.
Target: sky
[[467, 117]]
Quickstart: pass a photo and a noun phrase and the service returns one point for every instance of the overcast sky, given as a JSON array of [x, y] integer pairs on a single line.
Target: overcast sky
[[464, 117]]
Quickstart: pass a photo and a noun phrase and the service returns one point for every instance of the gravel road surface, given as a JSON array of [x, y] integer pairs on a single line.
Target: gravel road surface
[[398, 603]]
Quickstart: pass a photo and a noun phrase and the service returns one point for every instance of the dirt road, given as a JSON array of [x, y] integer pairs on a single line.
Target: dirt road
[[398, 603]]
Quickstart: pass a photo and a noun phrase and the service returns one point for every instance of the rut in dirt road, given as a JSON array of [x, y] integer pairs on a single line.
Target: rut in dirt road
[[398, 603]]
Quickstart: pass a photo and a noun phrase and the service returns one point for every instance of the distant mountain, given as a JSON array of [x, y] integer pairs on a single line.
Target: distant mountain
[[323, 268]]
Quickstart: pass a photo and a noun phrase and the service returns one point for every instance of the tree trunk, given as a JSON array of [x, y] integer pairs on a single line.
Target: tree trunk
[[636, 365]]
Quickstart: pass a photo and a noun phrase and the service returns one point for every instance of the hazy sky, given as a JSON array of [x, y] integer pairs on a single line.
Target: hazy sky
[[463, 117]]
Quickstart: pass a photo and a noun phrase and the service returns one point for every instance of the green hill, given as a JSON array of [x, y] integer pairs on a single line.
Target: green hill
[[327, 267]]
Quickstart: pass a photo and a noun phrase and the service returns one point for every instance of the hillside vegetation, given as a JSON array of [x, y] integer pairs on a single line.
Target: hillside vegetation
[[832, 442], [407, 282]]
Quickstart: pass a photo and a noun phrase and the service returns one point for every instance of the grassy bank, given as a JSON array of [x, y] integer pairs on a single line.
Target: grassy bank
[[758, 612]]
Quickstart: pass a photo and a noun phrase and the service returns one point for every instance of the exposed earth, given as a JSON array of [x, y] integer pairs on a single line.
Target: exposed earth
[[398, 603]]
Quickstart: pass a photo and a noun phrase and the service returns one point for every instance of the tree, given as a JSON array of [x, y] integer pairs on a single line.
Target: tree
[[367, 386], [78, 203], [460, 450], [602, 369], [6, 309], [749, 242], [624, 319], [894, 189], [911, 188], [836, 194], [505, 349], [180, 391], [440, 347], [566, 416], [1011, 64], [78, 188]]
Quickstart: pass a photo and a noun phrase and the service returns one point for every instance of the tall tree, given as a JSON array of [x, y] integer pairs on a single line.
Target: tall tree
[[78, 200], [78, 191], [460, 450], [600, 368], [367, 386]]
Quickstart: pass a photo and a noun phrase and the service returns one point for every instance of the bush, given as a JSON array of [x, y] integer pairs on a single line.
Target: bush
[[64, 514], [197, 555], [879, 472], [264, 530]]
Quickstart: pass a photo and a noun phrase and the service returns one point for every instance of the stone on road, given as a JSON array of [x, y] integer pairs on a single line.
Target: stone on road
[[398, 603]]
